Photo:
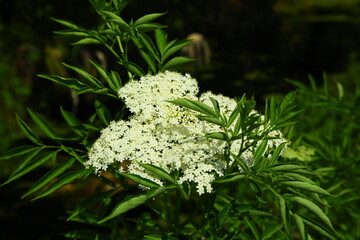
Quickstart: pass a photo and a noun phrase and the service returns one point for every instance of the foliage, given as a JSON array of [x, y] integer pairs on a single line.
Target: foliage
[[273, 199], [332, 134]]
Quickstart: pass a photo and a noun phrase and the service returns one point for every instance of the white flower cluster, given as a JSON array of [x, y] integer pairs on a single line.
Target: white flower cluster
[[166, 135]]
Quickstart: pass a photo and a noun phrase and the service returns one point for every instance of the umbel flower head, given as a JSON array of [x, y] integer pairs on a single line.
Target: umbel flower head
[[166, 135]]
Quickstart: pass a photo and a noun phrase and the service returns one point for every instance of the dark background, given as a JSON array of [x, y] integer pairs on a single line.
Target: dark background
[[254, 44]]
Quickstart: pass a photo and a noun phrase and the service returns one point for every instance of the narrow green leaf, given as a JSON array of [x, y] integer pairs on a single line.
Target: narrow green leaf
[[260, 150], [148, 27], [72, 83], [314, 208], [116, 80], [157, 171], [117, 19], [300, 224], [140, 180], [217, 135], [316, 226], [28, 132], [233, 116], [270, 230], [230, 178], [305, 186], [97, 198], [67, 24], [276, 154], [43, 124], [241, 163], [283, 212], [88, 41], [70, 118], [325, 84], [30, 166], [194, 105], [174, 46], [85, 75], [64, 180], [175, 62], [211, 120], [49, 176], [148, 57], [133, 202], [252, 228], [103, 112], [161, 40], [18, 151], [147, 18], [76, 33], [133, 67], [272, 111], [299, 177], [149, 45], [286, 167], [288, 99], [224, 213]]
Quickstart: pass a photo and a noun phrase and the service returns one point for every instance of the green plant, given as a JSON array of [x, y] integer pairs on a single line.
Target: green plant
[[331, 134], [227, 179]]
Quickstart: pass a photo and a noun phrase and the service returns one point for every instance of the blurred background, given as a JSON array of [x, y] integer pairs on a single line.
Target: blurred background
[[242, 46]]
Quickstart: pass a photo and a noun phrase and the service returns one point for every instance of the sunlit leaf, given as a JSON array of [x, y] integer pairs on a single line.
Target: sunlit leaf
[[313, 208]]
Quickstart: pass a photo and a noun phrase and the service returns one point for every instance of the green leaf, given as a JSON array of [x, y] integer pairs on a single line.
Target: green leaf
[[283, 212], [147, 18], [194, 105], [85, 75], [149, 45], [140, 180], [148, 57], [133, 67], [18, 151], [133, 202], [64, 180], [97, 198], [276, 154], [270, 230], [222, 216], [158, 171], [28, 132], [300, 224], [305, 186], [118, 20], [241, 163], [76, 33], [174, 46], [103, 112], [147, 27], [217, 135], [72, 83], [260, 150], [67, 24], [113, 80], [230, 178], [313, 208], [161, 40], [286, 167], [316, 226], [253, 228], [43, 124], [88, 41], [49, 176], [30, 166], [176, 61], [288, 99], [211, 120]]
